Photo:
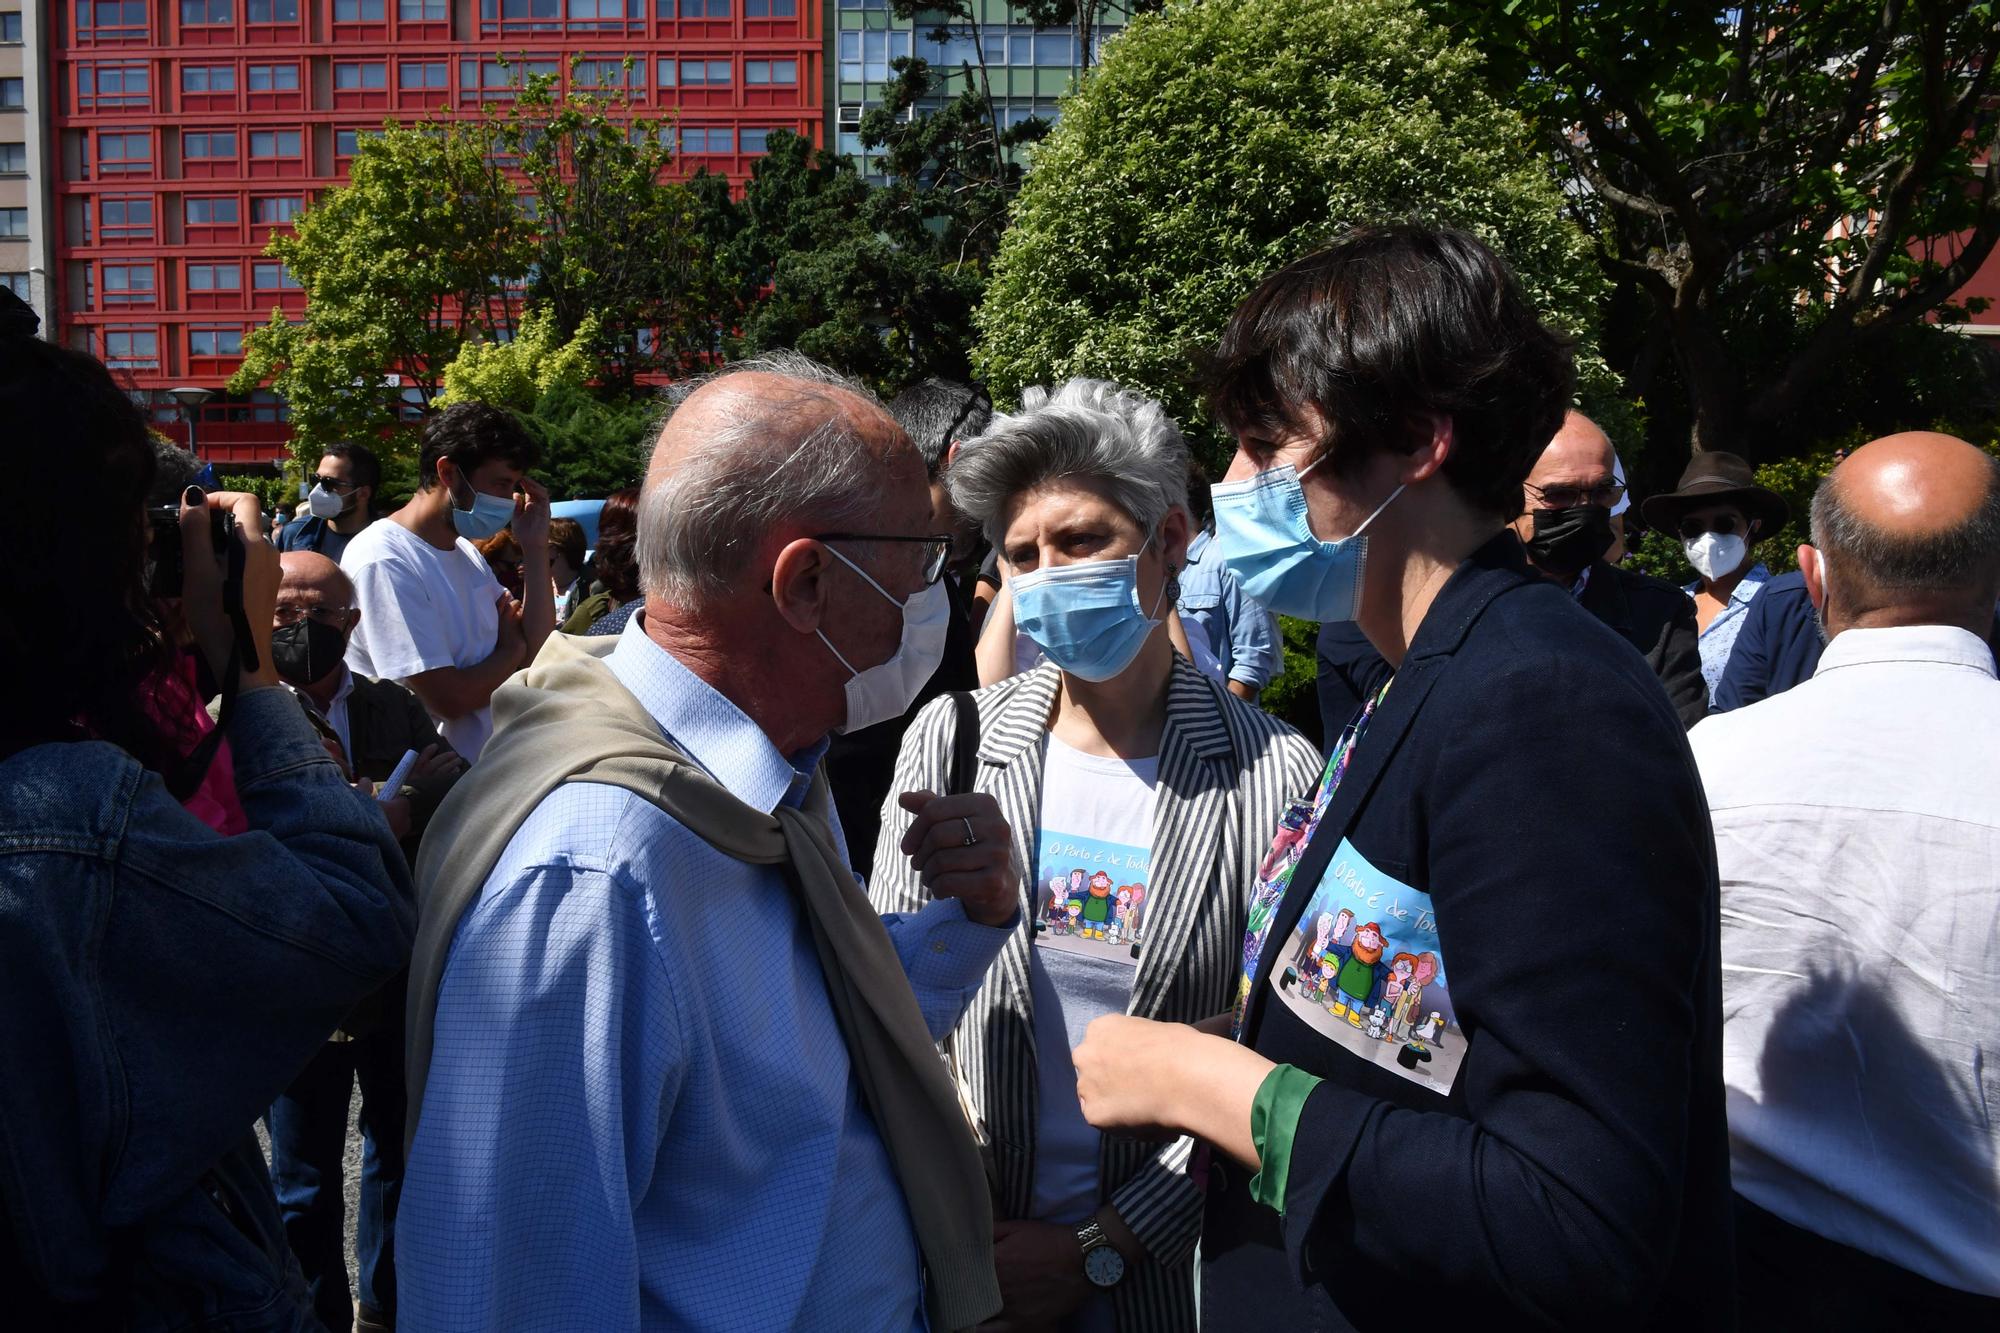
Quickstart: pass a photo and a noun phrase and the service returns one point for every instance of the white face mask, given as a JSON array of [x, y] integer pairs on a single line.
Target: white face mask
[[1714, 555], [323, 503], [886, 691]]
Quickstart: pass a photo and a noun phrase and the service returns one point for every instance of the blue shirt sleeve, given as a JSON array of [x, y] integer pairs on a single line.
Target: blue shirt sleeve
[[1254, 655], [945, 956], [557, 1062]]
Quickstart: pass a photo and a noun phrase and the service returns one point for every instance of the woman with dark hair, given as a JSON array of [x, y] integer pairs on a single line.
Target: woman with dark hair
[[162, 982], [614, 569]]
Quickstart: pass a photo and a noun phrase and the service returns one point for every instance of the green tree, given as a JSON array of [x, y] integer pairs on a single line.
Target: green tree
[[1218, 141], [516, 373], [1779, 188], [615, 241], [400, 266], [592, 445]]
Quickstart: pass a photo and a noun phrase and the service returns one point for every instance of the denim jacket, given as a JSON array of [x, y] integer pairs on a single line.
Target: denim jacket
[[161, 985]]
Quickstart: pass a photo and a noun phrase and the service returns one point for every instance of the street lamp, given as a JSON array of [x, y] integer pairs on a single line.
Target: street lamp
[[190, 398]]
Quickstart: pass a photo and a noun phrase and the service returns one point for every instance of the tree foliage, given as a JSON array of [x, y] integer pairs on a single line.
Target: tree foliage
[[1218, 141], [591, 444], [399, 267], [1795, 180], [516, 373]]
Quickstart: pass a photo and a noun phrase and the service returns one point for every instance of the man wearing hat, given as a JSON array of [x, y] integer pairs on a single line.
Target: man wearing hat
[[1720, 513]]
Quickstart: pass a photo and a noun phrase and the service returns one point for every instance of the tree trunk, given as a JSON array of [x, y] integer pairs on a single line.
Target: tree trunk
[[1714, 386]]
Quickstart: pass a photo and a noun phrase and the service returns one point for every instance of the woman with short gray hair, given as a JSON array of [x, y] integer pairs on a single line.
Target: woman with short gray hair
[[1141, 795]]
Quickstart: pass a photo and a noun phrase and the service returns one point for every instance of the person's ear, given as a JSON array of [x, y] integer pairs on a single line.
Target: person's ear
[[951, 455], [1175, 531], [799, 585], [1431, 439], [1813, 569]]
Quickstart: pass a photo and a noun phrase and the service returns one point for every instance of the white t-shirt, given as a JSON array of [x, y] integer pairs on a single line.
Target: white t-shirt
[[1092, 870], [421, 609]]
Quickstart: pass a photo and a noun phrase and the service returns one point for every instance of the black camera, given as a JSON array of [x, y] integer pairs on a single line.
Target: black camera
[[165, 554]]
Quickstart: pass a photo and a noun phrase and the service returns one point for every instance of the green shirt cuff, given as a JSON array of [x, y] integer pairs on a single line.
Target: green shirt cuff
[[1274, 1119]]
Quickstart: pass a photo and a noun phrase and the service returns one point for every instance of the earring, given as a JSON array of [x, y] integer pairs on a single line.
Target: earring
[[1173, 585]]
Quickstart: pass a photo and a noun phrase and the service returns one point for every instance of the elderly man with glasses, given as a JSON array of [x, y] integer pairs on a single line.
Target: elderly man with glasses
[[1565, 524]]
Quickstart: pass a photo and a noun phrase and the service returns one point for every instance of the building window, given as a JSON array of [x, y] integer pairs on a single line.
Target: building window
[[207, 145], [214, 278], [201, 13], [704, 73], [756, 139], [873, 6], [10, 27], [13, 223], [274, 143], [602, 11], [117, 153], [771, 9], [13, 94], [357, 11], [127, 284], [131, 349], [704, 9], [666, 73], [865, 56], [112, 85], [781, 72], [208, 78], [13, 159], [273, 278], [215, 342], [361, 74], [270, 210], [543, 13], [273, 78], [423, 74], [346, 143], [423, 11], [495, 78], [113, 20], [16, 283], [604, 72], [220, 212], [707, 139], [125, 219], [271, 11]]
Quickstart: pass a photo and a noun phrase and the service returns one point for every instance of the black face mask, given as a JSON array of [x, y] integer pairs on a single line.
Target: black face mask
[[306, 651], [1568, 540]]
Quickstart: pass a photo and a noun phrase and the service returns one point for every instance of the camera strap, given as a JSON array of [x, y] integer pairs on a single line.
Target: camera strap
[[188, 774]]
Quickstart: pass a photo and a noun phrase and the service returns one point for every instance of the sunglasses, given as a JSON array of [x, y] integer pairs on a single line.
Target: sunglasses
[[334, 484], [1569, 497], [1722, 525]]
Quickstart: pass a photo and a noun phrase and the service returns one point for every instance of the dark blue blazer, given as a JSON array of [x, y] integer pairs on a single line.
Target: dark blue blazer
[[1777, 647], [1526, 771]]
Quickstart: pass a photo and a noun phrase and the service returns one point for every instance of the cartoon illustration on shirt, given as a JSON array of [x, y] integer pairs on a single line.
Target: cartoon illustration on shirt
[[1093, 897], [1381, 993]]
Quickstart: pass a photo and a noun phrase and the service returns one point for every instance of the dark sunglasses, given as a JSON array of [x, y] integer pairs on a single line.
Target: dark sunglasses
[[1569, 497], [333, 484], [1722, 525], [937, 549]]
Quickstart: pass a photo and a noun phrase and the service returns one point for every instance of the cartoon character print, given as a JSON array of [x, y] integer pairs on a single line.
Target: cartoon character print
[[1329, 933], [1359, 983], [1404, 990], [1096, 915], [1125, 912], [1058, 910]]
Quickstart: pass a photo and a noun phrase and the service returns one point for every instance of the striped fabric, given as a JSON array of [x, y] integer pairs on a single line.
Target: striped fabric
[[1227, 773]]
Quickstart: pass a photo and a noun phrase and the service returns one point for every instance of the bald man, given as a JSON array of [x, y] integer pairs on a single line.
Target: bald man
[[644, 1095], [1566, 527], [374, 722], [1857, 826]]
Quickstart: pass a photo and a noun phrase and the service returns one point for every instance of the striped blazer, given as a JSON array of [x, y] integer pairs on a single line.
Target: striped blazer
[[1227, 773]]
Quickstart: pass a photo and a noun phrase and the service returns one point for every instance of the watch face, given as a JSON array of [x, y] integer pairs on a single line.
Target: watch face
[[1103, 1265]]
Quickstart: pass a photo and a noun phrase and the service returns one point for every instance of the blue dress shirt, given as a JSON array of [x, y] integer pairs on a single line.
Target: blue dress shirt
[[1243, 635], [640, 1112], [1720, 636]]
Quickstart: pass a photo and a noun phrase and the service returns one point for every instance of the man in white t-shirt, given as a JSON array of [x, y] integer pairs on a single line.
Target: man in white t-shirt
[[432, 614]]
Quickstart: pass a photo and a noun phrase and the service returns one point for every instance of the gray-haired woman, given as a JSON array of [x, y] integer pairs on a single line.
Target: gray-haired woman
[[1141, 796]]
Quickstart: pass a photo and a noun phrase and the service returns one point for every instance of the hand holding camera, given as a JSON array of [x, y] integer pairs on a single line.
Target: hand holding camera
[[221, 624]]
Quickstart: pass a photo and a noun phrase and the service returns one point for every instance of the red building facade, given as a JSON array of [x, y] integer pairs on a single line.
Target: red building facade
[[188, 131]]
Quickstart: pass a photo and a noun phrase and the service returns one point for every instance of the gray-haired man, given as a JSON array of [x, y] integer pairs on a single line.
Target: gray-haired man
[[634, 1105]]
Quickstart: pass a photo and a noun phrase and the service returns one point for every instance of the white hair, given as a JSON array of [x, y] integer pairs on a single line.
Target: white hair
[[1086, 428], [774, 458]]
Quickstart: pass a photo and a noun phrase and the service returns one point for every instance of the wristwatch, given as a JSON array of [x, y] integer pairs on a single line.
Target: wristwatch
[[1102, 1263]]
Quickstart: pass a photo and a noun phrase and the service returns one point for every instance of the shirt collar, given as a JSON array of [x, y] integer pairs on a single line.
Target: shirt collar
[[1943, 645], [708, 728], [1200, 544], [1746, 587], [340, 694], [1581, 585]]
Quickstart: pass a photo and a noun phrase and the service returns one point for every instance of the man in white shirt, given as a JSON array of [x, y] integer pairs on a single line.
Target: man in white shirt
[[1857, 825], [432, 614]]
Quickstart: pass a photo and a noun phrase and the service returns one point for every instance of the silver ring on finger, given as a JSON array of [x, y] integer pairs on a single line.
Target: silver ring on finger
[[970, 836]]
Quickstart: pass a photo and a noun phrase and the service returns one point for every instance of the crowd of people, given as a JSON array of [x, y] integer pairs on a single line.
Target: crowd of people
[[855, 887]]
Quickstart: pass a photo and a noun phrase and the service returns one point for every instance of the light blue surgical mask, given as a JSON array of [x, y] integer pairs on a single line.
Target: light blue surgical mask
[[1267, 541], [1086, 616], [487, 515]]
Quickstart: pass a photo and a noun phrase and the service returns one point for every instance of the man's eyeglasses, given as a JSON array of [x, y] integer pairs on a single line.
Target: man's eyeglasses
[[1722, 525], [937, 549], [335, 616], [334, 484], [1569, 497]]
